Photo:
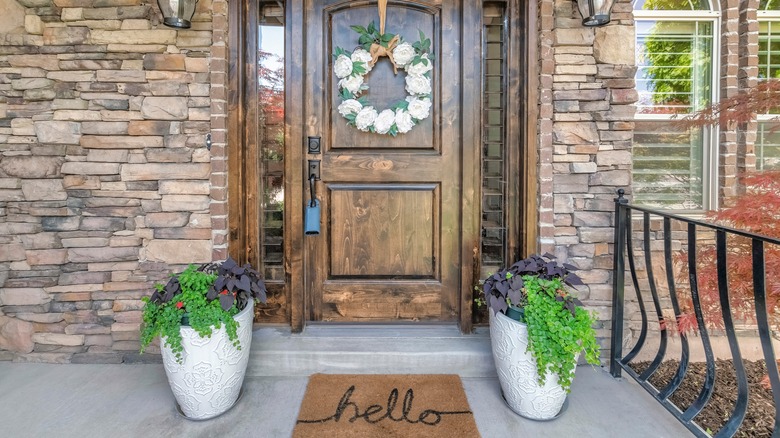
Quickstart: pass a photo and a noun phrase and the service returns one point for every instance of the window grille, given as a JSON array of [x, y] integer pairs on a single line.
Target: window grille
[[494, 146]]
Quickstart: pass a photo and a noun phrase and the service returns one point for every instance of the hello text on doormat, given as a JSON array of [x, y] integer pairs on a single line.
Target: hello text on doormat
[[355, 405]]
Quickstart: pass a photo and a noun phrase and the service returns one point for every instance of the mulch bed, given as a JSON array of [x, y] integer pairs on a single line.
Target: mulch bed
[[760, 417]]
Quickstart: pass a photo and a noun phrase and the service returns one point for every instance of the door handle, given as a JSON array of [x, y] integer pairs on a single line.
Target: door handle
[[312, 214], [312, 190]]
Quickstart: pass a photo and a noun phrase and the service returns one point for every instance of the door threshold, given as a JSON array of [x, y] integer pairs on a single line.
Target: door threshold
[[371, 349]]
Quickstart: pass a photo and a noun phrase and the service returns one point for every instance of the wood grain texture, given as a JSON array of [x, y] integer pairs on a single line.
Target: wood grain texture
[[391, 229], [379, 231]]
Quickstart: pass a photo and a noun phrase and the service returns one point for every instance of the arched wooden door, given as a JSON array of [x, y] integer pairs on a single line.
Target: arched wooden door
[[398, 220]]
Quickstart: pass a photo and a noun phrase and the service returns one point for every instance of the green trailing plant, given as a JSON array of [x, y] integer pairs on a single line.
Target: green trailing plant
[[205, 298], [558, 329], [558, 326]]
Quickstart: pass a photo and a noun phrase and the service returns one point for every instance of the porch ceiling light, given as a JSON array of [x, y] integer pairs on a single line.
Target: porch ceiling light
[[595, 12], [177, 13]]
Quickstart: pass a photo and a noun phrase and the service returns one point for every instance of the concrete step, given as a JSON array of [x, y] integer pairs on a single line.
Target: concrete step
[[364, 349]]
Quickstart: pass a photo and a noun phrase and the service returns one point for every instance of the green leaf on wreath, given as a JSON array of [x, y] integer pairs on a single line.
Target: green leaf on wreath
[[371, 27], [345, 94], [386, 38], [359, 29], [367, 46]]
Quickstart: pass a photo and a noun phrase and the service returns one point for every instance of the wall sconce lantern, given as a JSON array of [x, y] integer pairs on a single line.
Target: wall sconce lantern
[[595, 12], [177, 13]]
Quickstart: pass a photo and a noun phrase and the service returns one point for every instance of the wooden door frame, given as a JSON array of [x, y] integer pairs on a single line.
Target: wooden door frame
[[243, 160]]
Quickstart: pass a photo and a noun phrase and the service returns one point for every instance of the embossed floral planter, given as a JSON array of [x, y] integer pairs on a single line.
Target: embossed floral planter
[[517, 374], [208, 381]]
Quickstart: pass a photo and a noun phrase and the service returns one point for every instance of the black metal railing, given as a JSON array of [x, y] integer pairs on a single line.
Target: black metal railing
[[686, 234]]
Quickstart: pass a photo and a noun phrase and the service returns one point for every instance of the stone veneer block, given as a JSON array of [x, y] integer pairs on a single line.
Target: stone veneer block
[[46, 62], [154, 36], [121, 142], [65, 36], [32, 296], [31, 167], [47, 257], [179, 251], [58, 132], [90, 168], [165, 171], [615, 45], [81, 182], [43, 190], [33, 24], [178, 187], [165, 108], [89, 255], [16, 335], [575, 132], [155, 61], [185, 202], [104, 128], [121, 76], [58, 339]]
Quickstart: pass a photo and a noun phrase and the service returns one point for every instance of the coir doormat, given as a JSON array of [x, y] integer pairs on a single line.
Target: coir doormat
[[392, 405]]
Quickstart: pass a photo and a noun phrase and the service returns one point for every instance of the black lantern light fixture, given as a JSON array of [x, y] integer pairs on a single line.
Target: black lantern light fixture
[[595, 12], [177, 13]]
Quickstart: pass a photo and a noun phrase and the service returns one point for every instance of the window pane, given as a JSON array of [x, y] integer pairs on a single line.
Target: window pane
[[673, 5], [768, 49], [768, 146], [769, 5], [674, 66], [668, 165]]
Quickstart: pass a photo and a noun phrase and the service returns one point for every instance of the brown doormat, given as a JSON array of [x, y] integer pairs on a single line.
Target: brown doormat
[[390, 405]]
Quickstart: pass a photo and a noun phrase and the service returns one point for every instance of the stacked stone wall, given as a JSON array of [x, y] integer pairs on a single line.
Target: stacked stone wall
[[585, 130], [106, 183]]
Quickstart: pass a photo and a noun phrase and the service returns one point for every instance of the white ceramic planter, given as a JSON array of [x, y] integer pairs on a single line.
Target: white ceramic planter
[[516, 368], [208, 381]]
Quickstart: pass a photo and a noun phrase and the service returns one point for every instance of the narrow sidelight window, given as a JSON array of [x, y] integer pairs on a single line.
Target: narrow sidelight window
[[270, 133]]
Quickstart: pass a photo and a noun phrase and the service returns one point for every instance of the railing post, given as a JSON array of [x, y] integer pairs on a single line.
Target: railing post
[[618, 283]]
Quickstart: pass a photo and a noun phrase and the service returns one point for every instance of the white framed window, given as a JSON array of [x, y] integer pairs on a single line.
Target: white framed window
[[677, 55], [767, 146]]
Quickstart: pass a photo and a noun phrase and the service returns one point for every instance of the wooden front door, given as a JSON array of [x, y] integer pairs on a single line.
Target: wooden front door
[[393, 245]]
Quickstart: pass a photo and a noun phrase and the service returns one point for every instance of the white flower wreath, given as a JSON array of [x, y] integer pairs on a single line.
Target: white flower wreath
[[352, 67]]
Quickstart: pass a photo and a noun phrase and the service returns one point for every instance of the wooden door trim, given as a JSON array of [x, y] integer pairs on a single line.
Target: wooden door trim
[[294, 163], [243, 210], [530, 115], [471, 180]]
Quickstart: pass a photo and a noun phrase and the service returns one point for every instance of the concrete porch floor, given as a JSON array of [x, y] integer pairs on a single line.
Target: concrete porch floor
[[43, 400]]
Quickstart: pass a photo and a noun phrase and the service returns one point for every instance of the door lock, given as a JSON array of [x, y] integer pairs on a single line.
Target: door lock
[[314, 145]]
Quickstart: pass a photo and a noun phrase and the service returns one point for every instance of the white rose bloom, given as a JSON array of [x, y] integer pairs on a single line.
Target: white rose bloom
[[342, 67], [403, 53], [421, 68], [419, 108], [350, 106], [352, 83], [403, 121], [419, 85], [363, 56], [365, 118], [384, 121]]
